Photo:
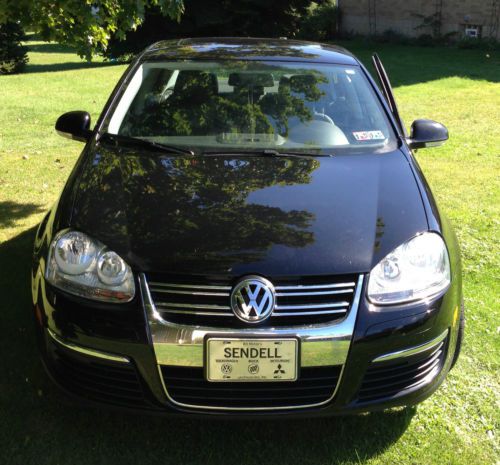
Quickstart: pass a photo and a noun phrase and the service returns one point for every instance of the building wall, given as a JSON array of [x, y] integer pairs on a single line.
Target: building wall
[[401, 16]]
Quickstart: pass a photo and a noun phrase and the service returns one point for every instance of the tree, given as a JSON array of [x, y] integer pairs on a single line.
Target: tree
[[214, 18], [13, 56], [87, 25]]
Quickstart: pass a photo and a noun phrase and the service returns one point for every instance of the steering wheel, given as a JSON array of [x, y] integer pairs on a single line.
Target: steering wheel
[[323, 117], [166, 94]]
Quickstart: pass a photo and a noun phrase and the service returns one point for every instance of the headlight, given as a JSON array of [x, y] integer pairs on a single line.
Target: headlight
[[417, 269], [80, 265]]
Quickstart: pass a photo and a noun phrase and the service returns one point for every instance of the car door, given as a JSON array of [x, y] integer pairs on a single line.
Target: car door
[[386, 88]]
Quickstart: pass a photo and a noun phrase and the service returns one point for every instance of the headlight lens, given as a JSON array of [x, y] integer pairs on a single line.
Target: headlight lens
[[111, 269], [417, 269], [74, 253], [85, 267]]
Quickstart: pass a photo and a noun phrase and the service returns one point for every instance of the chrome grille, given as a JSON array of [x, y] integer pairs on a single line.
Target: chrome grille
[[298, 301]]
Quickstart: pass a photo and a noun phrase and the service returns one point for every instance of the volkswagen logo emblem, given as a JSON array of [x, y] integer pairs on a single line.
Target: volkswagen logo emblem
[[253, 299]]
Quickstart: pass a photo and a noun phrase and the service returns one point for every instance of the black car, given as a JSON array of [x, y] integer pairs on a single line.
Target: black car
[[247, 232]]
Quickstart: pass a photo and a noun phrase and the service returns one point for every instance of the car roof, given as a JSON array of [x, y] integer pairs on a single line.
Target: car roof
[[249, 48]]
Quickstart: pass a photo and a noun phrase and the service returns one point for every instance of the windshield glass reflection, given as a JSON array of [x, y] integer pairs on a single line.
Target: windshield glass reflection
[[252, 104]]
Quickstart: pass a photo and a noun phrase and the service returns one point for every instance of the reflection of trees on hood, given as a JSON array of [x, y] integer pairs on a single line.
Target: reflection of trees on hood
[[194, 208]]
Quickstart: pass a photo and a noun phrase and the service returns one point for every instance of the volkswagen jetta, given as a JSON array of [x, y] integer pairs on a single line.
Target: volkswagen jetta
[[247, 232]]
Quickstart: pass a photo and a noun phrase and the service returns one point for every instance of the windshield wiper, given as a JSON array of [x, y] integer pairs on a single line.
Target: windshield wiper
[[128, 140], [262, 153]]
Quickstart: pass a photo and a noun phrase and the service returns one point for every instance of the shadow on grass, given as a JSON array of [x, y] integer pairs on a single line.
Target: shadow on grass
[[10, 212], [40, 426], [49, 47], [68, 66], [53, 47]]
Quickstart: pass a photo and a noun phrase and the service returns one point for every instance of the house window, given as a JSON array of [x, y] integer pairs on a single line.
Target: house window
[[473, 31]]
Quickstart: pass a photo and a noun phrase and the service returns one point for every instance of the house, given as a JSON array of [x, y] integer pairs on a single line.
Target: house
[[463, 18]]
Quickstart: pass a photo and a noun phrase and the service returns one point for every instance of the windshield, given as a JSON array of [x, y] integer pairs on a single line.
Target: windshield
[[248, 105]]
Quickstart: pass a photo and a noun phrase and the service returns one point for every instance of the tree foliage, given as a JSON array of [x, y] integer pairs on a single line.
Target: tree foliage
[[87, 25], [13, 56], [321, 21], [216, 18], [91, 26]]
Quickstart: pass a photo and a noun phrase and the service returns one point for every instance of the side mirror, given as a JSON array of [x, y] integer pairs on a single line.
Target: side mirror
[[74, 125], [426, 133]]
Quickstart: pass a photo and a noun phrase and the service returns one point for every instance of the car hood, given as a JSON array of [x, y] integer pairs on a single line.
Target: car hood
[[233, 215]]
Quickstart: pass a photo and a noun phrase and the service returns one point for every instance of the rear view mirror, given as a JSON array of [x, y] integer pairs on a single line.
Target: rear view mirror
[[74, 125], [427, 133]]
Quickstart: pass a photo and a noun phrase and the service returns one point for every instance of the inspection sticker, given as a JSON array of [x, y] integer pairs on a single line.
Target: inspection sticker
[[368, 135]]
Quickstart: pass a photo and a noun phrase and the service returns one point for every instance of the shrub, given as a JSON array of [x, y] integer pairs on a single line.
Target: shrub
[[320, 22], [426, 40], [478, 44], [390, 36], [13, 56]]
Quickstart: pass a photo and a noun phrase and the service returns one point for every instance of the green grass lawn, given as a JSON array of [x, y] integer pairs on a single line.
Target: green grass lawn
[[459, 424]]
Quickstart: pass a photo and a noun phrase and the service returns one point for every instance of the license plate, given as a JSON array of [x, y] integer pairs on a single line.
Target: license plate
[[240, 360]]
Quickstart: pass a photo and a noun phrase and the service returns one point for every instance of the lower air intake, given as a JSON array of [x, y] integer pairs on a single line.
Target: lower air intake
[[385, 380], [188, 386], [105, 381]]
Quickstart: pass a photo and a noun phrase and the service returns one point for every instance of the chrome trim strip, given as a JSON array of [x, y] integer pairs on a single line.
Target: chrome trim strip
[[314, 286], [173, 305], [413, 350], [295, 294], [436, 349], [190, 312], [191, 286], [432, 359], [86, 350], [169, 291], [320, 312], [306, 306], [320, 345]]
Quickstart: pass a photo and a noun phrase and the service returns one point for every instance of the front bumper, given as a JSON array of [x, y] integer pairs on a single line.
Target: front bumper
[[373, 358]]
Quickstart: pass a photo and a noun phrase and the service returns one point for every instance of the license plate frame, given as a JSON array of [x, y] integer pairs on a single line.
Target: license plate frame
[[288, 370]]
